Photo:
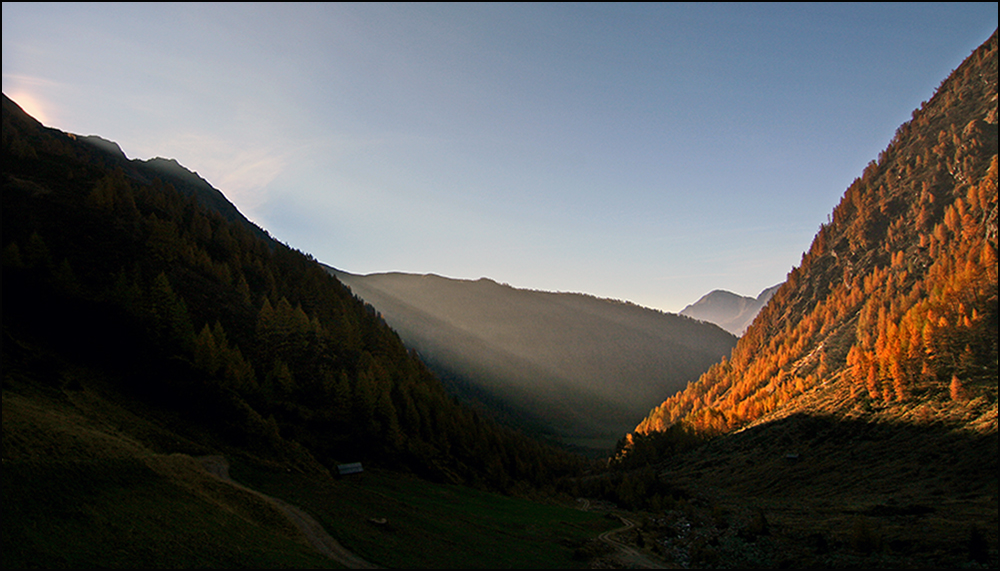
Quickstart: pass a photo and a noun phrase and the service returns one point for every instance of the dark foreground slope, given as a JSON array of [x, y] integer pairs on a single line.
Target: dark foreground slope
[[859, 411], [580, 368]]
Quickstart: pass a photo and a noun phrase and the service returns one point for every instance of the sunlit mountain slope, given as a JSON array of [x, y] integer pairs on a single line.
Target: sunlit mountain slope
[[893, 310]]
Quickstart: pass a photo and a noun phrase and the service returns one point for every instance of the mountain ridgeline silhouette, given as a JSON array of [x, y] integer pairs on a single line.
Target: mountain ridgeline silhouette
[[573, 366]]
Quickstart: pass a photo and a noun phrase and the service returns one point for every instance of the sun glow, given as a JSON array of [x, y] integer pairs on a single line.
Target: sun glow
[[31, 106]]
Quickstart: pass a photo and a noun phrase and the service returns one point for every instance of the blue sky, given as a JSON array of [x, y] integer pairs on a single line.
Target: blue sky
[[650, 153]]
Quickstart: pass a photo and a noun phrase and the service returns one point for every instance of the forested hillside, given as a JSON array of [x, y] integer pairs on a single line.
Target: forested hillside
[[569, 366], [194, 312], [893, 310]]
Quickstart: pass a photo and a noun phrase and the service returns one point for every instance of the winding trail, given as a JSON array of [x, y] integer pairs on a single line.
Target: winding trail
[[626, 554], [218, 466]]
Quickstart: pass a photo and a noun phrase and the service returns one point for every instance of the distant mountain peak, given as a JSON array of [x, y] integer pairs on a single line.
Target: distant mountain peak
[[728, 310]]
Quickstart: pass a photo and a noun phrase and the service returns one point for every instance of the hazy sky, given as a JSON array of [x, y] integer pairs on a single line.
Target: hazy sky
[[650, 153]]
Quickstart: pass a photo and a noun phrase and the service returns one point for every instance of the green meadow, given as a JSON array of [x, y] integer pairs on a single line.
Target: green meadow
[[91, 482]]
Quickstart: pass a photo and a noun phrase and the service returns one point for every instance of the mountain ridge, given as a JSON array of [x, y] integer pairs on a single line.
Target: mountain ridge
[[109, 154], [562, 353]]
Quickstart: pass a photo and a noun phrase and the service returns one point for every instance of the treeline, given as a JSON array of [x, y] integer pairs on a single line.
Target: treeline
[[898, 292], [242, 333]]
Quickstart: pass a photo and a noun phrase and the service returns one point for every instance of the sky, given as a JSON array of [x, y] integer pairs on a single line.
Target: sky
[[643, 152]]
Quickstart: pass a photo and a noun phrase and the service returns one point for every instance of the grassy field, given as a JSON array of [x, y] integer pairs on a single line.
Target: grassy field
[[91, 479], [399, 521], [78, 492]]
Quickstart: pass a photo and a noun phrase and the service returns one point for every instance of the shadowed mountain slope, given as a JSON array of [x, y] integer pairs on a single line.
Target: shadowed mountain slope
[[198, 314], [569, 364], [730, 311]]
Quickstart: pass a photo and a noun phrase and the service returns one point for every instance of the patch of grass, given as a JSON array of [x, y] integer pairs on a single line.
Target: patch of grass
[[120, 513], [400, 521]]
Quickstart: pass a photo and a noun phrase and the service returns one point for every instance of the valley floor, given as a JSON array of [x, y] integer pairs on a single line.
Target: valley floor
[[313, 531]]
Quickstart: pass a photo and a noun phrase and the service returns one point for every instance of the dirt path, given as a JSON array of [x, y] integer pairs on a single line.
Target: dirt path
[[218, 466], [631, 557], [625, 554]]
